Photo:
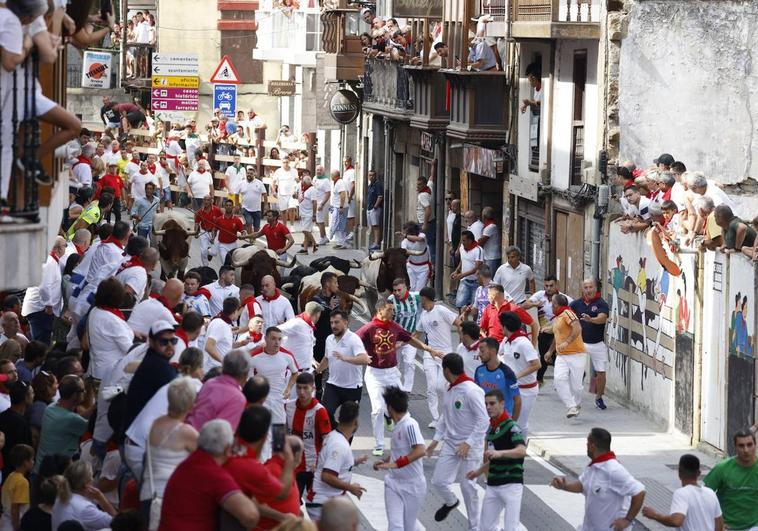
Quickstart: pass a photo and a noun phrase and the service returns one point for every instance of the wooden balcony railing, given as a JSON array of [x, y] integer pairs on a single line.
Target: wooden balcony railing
[[555, 10], [387, 86], [331, 32]]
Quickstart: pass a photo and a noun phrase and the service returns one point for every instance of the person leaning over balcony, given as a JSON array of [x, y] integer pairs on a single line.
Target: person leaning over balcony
[[637, 215], [481, 57], [737, 233]]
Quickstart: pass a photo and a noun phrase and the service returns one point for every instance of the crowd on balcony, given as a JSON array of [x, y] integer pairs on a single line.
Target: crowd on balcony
[[684, 207], [141, 35]]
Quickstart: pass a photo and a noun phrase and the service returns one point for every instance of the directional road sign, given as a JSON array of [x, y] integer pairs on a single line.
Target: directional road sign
[[176, 82], [175, 70], [175, 93], [159, 104], [175, 58], [225, 99]]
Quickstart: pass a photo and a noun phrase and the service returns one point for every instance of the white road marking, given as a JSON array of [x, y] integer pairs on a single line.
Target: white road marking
[[569, 505], [371, 504], [544, 463]]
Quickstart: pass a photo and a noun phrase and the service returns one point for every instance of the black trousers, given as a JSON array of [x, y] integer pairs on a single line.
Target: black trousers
[[543, 344], [335, 396], [304, 481], [115, 211]]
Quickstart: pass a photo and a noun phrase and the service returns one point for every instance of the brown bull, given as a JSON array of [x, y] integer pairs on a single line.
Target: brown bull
[[257, 264], [346, 299], [348, 285], [380, 269], [173, 248]]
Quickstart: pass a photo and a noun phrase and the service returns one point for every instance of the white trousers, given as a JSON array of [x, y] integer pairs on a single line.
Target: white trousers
[[418, 275], [408, 354], [377, 380], [222, 249], [134, 456], [205, 245], [403, 505], [452, 469], [527, 403], [497, 499], [435, 385], [567, 377]]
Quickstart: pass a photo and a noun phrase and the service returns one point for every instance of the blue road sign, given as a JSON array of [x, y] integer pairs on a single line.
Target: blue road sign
[[225, 99]]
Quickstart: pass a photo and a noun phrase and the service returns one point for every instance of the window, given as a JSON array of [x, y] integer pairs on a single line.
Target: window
[[577, 124]]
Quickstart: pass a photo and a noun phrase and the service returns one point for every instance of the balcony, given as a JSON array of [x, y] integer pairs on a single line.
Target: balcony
[[478, 106], [343, 58], [292, 37], [430, 111], [137, 65], [387, 89], [556, 19]]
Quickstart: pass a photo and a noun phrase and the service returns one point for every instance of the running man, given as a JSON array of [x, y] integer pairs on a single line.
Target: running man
[[407, 310]]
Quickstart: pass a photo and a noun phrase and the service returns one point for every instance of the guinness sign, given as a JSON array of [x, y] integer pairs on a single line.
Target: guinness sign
[[344, 106]]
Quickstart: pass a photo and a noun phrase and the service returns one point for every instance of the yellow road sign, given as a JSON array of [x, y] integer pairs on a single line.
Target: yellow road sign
[[176, 82]]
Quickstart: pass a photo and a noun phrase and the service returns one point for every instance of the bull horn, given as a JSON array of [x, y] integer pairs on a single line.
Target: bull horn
[[159, 232], [415, 253], [282, 263], [358, 302], [288, 285], [376, 256], [193, 233], [357, 265]]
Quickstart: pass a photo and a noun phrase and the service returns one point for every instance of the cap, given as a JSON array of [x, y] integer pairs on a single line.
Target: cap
[[161, 326], [664, 158]]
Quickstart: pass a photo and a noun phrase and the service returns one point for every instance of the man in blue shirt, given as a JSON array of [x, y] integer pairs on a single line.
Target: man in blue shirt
[[593, 312], [144, 210], [494, 374], [481, 57], [374, 202]]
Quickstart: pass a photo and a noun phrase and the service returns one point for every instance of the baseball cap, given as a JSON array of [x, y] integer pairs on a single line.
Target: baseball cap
[[665, 158], [161, 326]]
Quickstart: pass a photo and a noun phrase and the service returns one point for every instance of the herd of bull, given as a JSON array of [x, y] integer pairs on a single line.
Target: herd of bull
[[300, 283]]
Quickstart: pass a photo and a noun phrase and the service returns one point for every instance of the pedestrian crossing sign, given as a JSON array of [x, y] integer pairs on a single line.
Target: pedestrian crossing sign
[[225, 72]]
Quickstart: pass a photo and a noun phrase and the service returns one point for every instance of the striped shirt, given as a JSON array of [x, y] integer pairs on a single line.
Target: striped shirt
[[504, 435], [407, 310]]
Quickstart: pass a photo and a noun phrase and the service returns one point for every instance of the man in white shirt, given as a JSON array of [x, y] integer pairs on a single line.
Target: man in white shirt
[[82, 169], [235, 174], [490, 239], [468, 348], [348, 175], [139, 179], [419, 263], [471, 258], [461, 429], [612, 497], [298, 335], [44, 302], [275, 307], [279, 368], [436, 321], [338, 211], [345, 356], [405, 483], [693, 507], [334, 470], [133, 273], [323, 187], [79, 244], [284, 181], [200, 184], [253, 194], [473, 224], [515, 276], [161, 308], [636, 216], [219, 335], [222, 289], [425, 211]]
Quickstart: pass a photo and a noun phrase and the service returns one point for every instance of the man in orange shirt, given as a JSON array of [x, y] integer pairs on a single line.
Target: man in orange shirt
[[572, 356]]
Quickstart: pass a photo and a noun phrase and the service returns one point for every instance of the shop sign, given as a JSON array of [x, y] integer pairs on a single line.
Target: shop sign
[[344, 106]]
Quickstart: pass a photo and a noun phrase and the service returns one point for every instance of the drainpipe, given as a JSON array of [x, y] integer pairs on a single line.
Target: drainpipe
[[439, 213], [389, 186], [601, 206]]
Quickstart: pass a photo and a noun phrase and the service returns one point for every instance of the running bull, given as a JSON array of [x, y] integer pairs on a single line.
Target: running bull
[[350, 290], [256, 263], [380, 269], [174, 243]]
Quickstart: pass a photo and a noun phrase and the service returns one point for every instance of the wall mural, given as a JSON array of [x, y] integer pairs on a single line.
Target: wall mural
[[741, 306]]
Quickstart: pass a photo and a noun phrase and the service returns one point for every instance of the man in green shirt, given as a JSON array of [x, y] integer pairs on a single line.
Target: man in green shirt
[[91, 215], [737, 233], [504, 465], [735, 482]]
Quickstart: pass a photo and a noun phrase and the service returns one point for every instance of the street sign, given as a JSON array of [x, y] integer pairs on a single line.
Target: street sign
[[225, 72], [175, 59], [175, 93], [176, 82], [96, 71], [281, 88], [225, 99], [159, 104], [174, 70]]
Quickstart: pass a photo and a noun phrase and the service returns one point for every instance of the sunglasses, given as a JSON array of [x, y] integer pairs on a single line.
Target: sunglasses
[[165, 342]]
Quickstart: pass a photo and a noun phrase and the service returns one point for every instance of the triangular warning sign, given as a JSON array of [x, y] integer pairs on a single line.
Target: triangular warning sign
[[225, 72]]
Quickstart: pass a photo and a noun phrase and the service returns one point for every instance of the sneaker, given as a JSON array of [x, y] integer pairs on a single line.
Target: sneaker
[[600, 404], [572, 412], [340, 246], [443, 511], [378, 451], [350, 236], [36, 169], [432, 425], [389, 424], [323, 241]]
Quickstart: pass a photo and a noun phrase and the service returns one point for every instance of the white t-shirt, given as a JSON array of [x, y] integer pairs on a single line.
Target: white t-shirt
[[337, 456], [469, 260], [514, 280], [477, 228], [131, 168], [341, 373], [349, 178], [299, 339], [717, 194], [641, 210], [607, 488], [405, 436], [142, 32], [136, 278], [83, 173], [218, 294], [417, 246], [517, 355], [139, 180], [449, 220], [200, 183], [306, 203], [221, 331], [492, 246], [699, 505], [110, 338], [11, 34], [338, 186], [470, 357], [275, 311], [277, 369], [285, 180], [235, 177], [323, 187], [252, 193], [424, 200], [436, 324], [148, 312]]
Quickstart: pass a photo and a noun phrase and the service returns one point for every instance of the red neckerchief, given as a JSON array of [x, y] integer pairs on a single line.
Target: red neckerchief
[[277, 293], [151, 169], [251, 117], [250, 304], [201, 170], [181, 333], [517, 334], [385, 325], [117, 243], [426, 189], [404, 298], [135, 159], [474, 346], [134, 261], [475, 244], [593, 299], [304, 187], [561, 310], [83, 160], [488, 223], [164, 165], [310, 405], [350, 167], [462, 378], [337, 179], [115, 311], [114, 151], [604, 457], [164, 302], [307, 318], [143, 172], [502, 418], [255, 336], [204, 292], [79, 250], [667, 195], [55, 257], [224, 317]]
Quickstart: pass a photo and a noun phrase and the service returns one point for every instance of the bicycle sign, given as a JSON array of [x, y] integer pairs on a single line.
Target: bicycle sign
[[225, 99]]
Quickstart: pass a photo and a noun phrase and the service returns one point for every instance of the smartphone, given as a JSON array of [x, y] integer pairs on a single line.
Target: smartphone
[[105, 8], [278, 431]]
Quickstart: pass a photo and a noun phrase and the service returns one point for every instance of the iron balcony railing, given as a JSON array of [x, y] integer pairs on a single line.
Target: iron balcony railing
[[553, 10], [387, 83]]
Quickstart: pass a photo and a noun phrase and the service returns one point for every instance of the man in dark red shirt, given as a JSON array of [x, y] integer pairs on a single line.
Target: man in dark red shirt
[[228, 228], [205, 219], [278, 236], [490, 324], [111, 180], [380, 337]]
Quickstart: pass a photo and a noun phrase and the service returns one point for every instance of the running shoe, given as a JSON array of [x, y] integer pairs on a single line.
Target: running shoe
[[378, 451], [600, 404], [572, 412], [443, 511]]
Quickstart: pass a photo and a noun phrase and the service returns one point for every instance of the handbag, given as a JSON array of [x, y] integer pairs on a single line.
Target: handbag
[[156, 503]]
